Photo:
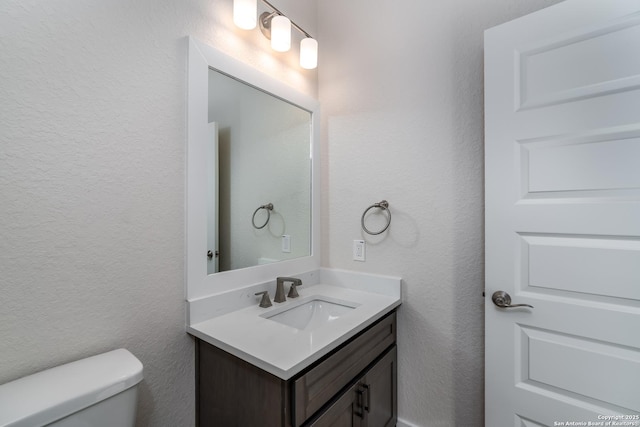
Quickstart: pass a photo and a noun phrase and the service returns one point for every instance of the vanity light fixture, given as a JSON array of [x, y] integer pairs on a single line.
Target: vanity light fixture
[[276, 27], [244, 13], [280, 33], [308, 53]]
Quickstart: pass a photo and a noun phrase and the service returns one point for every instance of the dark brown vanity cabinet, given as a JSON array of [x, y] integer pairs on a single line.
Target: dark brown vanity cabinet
[[355, 385]]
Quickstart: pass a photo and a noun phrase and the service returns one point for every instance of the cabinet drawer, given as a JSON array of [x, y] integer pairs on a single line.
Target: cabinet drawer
[[321, 383]]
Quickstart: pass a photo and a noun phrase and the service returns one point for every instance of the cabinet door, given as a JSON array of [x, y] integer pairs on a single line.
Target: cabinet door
[[345, 412], [380, 397], [233, 393]]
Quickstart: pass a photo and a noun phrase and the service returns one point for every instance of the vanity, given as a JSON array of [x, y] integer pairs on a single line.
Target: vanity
[[324, 358], [333, 363], [353, 385]]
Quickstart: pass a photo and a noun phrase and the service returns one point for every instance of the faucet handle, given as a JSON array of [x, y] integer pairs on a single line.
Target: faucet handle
[[293, 292], [264, 301]]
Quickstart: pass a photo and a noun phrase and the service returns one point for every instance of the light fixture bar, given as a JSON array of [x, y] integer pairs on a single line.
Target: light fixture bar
[[293, 24], [276, 26]]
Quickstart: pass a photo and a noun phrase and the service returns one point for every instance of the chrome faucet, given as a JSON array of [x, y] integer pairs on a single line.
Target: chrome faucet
[[280, 287]]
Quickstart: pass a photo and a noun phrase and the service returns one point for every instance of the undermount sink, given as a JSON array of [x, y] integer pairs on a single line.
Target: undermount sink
[[311, 314]]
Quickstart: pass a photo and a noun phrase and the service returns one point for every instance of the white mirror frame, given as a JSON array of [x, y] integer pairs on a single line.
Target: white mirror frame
[[199, 284]]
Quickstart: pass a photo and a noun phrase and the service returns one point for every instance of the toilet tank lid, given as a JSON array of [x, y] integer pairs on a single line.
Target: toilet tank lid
[[49, 395]]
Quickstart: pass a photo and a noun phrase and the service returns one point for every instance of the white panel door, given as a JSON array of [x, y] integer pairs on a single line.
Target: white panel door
[[562, 176]]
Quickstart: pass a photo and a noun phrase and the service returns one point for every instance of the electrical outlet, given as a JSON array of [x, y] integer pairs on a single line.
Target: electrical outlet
[[358, 250], [286, 243]]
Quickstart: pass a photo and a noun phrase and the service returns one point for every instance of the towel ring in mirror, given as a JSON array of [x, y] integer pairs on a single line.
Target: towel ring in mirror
[[268, 207]]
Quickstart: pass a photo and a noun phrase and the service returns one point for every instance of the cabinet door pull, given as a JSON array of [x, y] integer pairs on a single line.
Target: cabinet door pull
[[359, 407], [367, 390]]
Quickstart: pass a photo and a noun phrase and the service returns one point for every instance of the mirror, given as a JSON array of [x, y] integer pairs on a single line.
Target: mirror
[[259, 177], [252, 175]]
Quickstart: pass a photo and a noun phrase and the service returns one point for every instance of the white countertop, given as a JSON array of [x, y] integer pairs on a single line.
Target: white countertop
[[283, 350]]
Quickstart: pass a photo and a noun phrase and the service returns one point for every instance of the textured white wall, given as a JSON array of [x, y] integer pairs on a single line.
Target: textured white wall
[[92, 167], [402, 98]]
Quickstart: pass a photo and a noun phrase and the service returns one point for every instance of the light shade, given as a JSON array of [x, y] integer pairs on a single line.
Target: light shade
[[308, 53], [280, 33], [245, 13]]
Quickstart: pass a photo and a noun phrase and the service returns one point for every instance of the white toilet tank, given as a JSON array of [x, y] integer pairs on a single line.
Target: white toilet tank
[[99, 391]]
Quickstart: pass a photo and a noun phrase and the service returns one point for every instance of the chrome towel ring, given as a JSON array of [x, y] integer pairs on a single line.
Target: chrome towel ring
[[384, 205], [268, 207]]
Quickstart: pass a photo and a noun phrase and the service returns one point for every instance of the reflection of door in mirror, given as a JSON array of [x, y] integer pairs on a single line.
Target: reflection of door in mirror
[[213, 253]]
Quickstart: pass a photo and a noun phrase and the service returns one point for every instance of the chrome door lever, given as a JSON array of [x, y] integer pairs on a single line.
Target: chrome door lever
[[503, 300]]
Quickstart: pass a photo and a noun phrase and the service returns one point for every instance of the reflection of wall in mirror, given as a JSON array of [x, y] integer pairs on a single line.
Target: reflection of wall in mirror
[[264, 148]]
